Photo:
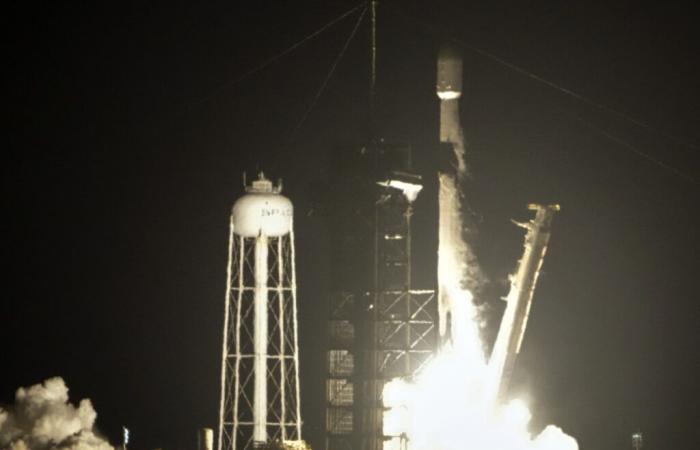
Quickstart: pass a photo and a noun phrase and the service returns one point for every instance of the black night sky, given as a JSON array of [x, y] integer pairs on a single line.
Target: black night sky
[[128, 133]]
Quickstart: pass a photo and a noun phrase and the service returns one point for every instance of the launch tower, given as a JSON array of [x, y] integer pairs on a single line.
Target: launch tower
[[379, 327], [260, 355]]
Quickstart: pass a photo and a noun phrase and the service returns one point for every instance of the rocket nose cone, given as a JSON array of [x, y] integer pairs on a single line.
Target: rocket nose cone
[[449, 72], [449, 52]]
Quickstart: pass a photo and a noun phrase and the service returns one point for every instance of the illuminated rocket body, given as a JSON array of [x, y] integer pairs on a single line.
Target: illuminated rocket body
[[458, 272], [514, 321]]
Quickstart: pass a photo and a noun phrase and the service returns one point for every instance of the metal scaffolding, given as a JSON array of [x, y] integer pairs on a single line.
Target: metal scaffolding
[[387, 329]]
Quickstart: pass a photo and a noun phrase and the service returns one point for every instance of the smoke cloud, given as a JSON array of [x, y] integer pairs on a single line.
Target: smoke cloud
[[42, 418]]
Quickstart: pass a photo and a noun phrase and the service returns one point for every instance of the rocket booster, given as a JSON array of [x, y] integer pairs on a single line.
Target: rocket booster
[[458, 271]]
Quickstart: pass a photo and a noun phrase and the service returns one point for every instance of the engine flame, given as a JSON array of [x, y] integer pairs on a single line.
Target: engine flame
[[450, 404], [455, 401]]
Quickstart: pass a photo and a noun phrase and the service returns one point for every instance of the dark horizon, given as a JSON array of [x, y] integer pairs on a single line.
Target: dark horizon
[[129, 134]]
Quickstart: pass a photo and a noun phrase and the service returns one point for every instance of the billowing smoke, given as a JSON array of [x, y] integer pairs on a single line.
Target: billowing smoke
[[42, 418]]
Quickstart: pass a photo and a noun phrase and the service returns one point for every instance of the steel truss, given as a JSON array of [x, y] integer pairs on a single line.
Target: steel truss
[[379, 335], [281, 415]]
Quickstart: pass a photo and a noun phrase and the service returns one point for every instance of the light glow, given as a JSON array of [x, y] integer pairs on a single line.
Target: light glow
[[452, 403], [448, 406]]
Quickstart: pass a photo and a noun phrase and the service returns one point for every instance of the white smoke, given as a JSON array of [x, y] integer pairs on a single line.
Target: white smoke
[[42, 418]]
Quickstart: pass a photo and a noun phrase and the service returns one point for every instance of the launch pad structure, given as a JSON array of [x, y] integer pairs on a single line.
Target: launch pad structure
[[379, 327]]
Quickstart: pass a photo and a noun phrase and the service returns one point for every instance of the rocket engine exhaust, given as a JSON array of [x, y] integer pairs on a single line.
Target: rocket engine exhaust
[[456, 400]]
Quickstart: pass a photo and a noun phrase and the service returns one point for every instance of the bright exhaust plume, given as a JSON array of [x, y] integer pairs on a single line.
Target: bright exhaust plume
[[448, 406], [451, 403]]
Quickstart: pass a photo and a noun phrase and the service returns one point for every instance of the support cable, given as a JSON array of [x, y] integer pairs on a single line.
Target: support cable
[[640, 153], [553, 85], [577, 96], [373, 65], [272, 59], [582, 99], [298, 126]]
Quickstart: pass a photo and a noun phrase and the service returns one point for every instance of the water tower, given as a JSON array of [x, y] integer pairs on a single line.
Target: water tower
[[260, 356]]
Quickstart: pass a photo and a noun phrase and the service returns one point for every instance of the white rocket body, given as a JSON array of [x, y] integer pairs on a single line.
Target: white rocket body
[[458, 271]]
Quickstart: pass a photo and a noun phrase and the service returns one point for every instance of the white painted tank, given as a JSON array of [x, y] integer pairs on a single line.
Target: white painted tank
[[262, 210]]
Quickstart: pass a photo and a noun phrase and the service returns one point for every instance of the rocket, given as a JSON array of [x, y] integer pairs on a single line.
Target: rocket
[[459, 274], [458, 271]]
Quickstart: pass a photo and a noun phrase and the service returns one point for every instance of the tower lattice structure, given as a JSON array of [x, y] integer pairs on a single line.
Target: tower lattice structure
[[260, 356], [379, 327]]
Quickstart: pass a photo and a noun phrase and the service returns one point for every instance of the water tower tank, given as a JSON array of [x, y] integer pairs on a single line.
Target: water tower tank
[[262, 211]]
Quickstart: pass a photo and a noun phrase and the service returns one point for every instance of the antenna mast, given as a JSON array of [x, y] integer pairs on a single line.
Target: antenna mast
[[373, 64]]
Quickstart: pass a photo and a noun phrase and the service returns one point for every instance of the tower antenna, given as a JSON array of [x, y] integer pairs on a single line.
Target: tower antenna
[[373, 65]]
